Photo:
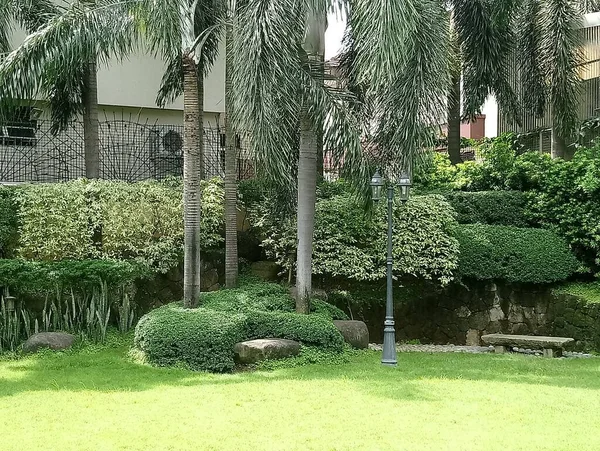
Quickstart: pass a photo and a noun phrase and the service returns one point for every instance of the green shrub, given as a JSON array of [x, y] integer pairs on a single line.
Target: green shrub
[[313, 330], [436, 174], [202, 339], [140, 221], [350, 243], [514, 254], [252, 295], [321, 307], [79, 275], [490, 207], [8, 221]]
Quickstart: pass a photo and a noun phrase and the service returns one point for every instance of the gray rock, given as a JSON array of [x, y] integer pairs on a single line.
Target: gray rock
[[254, 351], [265, 270], [49, 340], [354, 332], [473, 338]]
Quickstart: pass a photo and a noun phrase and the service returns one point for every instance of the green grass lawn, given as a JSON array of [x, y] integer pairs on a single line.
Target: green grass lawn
[[100, 399]]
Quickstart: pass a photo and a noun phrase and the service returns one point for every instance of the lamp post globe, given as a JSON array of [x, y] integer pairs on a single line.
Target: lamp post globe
[[377, 185]]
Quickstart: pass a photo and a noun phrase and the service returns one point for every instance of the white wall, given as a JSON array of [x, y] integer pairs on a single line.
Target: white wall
[[135, 82], [490, 109]]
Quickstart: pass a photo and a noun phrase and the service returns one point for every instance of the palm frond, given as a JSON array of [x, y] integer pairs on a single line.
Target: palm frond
[[560, 49], [267, 84], [528, 58], [79, 33], [486, 36], [402, 56]]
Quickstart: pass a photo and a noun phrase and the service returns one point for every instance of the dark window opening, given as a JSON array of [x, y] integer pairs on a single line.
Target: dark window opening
[[18, 128]]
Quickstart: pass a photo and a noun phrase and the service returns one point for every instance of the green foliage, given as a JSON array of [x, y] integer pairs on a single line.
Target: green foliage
[[203, 338], [315, 330], [436, 174], [310, 355], [514, 254], [8, 221], [27, 276], [141, 221], [321, 307], [565, 197], [350, 243], [588, 291], [490, 207]]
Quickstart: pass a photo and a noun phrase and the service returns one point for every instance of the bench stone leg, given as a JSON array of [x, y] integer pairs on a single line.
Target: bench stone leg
[[500, 349], [549, 352]]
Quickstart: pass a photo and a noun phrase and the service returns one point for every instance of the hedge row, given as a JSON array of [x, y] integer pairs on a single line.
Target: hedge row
[[506, 208], [514, 254], [102, 219]]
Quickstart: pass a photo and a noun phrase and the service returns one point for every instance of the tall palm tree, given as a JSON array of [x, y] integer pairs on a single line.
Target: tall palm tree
[[112, 29], [279, 95]]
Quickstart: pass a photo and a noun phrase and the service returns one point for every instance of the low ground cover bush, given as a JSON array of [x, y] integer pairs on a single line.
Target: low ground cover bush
[[203, 338], [514, 254], [81, 297]]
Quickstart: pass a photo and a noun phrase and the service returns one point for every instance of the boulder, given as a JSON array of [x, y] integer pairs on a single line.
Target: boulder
[[50, 340], [254, 351], [265, 270], [354, 332]]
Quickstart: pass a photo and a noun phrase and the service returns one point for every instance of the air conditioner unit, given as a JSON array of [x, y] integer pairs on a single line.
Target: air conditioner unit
[[166, 152]]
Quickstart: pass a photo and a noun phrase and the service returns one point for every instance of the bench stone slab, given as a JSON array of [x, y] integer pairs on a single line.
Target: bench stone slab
[[527, 340]]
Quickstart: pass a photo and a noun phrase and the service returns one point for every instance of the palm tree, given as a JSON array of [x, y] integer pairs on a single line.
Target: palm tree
[[279, 94], [231, 245]]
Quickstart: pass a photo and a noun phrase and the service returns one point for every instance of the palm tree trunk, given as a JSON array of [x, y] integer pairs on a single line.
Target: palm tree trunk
[[307, 198], [201, 124], [91, 140], [193, 143], [560, 147], [231, 249], [320, 149], [454, 120]]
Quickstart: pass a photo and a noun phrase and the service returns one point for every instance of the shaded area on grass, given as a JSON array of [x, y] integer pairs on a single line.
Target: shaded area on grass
[[111, 369]]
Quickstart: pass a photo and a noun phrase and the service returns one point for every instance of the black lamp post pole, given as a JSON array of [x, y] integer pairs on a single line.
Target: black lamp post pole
[[389, 333]]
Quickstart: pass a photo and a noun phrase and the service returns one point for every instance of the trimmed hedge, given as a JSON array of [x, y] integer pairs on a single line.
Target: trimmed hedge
[[203, 338], [8, 221], [514, 254], [490, 207], [313, 330]]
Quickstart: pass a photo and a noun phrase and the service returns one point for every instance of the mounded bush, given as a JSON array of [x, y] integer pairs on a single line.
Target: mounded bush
[[203, 338], [514, 254], [490, 207]]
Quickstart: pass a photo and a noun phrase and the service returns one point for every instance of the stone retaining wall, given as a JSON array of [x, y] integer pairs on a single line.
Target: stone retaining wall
[[461, 314]]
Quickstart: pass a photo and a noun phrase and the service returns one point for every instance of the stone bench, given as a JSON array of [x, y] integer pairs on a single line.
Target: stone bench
[[552, 346]]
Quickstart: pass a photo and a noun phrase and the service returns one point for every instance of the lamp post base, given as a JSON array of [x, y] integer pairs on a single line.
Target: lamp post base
[[389, 343]]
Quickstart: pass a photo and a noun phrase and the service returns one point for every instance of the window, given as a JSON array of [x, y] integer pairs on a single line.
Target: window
[[18, 128]]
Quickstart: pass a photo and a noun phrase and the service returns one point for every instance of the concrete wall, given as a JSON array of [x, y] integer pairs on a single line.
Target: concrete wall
[[135, 82]]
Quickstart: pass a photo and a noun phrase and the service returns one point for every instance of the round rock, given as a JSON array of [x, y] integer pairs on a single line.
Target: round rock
[[354, 332], [56, 341]]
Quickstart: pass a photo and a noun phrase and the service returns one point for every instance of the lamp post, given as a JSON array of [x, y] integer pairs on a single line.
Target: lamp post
[[389, 332]]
